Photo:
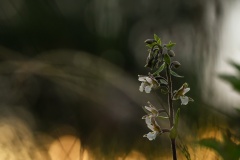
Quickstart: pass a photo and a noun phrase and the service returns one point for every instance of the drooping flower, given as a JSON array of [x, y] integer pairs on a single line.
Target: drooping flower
[[151, 111], [180, 94], [148, 82], [153, 126]]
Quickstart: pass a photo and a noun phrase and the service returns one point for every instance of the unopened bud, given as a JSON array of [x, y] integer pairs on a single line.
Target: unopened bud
[[171, 53], [150, 41], [175, 64]]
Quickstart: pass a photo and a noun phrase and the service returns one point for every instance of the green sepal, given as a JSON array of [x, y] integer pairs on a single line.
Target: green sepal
[[167, 59], [164, 91], [175, 74], [174, 131], [162, 81], [157, 39], [162, 117], [170, 45]]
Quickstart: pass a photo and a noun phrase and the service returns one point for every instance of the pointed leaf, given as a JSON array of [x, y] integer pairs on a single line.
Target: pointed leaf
[[167, 59], [170, 45], [157, 39], [177, 118], [234, 81], [175, 74], [162, 117], [174, 130], [237, 66], [160, 69]]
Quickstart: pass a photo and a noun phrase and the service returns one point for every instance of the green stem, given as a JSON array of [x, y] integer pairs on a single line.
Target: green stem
[[171, 111]]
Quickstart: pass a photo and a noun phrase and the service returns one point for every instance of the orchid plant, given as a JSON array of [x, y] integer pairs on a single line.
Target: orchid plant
[[159, 58]]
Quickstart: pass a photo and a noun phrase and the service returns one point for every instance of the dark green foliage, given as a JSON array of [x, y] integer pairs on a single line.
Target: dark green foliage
[[228, 150], [233, 80]]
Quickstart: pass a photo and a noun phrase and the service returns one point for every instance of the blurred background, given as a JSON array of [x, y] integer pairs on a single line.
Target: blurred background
[[68, 78]]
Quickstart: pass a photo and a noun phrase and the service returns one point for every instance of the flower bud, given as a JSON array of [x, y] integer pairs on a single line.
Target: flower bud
[[175, 64], [149, 62], [171, 53], [150, 41]]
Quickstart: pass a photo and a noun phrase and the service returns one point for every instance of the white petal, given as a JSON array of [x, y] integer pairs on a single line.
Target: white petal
[[186, 90], [148, 89], [144, 117], [142, 78], [148, 121], [149, 80], [151, 135], [142, 87], [149, 109], [184, 100], [190, 99]]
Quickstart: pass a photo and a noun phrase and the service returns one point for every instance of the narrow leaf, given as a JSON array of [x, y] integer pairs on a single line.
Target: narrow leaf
[[174, 130], [157, 39], [170, 45], [167, 59], [175, 74], [177, 118], [162, 117], [237, 66], [234, 81], [160, 69]]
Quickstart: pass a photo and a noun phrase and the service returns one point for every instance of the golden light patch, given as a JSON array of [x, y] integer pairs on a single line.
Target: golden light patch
[[65, 148], [133, 155]]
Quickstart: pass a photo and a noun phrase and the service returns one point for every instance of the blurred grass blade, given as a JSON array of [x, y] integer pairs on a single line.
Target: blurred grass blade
[[234, 81]]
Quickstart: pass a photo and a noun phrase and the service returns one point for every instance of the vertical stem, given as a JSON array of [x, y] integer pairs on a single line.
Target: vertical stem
[[171, 111], [174, 151], [170, 104]]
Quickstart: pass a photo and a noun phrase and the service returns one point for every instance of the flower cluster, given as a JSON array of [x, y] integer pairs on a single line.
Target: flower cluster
[[159, 57], [151, 122], [148, 82]]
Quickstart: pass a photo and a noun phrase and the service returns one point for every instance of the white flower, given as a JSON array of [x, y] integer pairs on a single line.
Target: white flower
[[151, 110], [151, 135], [180, 94], [148, 82], [152, 125]]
